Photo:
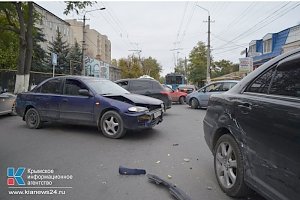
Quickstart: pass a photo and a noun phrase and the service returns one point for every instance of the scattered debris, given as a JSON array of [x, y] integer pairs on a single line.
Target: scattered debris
[[104, 182], [174, 190], [197, 158], [157, 162], [209, 188], [186, 160], [129, 171], [191, 168], [175, 144], [169, 176], [168, 154]]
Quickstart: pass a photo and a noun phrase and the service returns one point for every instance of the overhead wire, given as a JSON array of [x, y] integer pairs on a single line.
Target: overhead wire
[[263, 21]]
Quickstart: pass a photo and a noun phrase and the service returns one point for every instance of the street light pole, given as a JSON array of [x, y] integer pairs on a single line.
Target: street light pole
[[83, 40], [208, 46]]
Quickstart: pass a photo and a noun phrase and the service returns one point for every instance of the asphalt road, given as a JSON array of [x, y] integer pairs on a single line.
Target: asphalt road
[[94, 160]]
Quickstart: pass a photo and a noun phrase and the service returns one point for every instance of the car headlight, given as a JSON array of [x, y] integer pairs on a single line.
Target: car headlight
[[138, 109]]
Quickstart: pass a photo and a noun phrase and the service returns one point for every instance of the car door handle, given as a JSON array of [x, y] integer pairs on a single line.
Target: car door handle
[[65, 100]]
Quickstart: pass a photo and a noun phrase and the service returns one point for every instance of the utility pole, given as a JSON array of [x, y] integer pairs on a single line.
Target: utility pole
[[208, 52], [83, 46], [84, 39], [185, 66], [208, 45], [176, 58]]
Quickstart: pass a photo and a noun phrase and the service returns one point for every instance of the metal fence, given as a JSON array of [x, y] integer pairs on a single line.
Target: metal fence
[[8, 78]]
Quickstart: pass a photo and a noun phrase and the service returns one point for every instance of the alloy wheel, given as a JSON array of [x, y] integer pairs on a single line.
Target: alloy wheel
[[226, 165], [111, 125]]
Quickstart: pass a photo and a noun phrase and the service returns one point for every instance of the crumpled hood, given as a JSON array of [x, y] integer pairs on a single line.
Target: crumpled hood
[[136, 98]]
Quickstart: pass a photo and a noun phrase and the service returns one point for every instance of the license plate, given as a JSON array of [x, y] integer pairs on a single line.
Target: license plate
[[157, 114]]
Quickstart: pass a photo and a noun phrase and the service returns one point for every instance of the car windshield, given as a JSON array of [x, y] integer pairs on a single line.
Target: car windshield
[[105, 87]]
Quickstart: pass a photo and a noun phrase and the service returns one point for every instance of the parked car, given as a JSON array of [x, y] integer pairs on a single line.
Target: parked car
[[148, 87], [88, 100], [253, 131], [176, 95], [187, 88], [199, 98], [7, 102]]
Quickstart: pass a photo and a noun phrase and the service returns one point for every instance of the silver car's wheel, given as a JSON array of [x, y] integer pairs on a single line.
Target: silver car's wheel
[[229, 167], [194, 103], [112, 125], [226, 165]]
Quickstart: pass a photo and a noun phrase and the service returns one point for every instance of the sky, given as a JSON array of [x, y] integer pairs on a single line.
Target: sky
[[167, 30]]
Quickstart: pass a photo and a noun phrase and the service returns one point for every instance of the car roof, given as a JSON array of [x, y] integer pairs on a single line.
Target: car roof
[[137, 79]]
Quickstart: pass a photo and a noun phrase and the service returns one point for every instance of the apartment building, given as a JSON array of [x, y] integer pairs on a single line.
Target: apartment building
[[98, 46]]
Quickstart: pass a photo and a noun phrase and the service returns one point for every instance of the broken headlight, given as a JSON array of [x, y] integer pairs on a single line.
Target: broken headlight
[[138, 109]]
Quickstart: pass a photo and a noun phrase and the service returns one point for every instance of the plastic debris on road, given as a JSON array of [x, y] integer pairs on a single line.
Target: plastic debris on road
[[186, 160], [129, 171]]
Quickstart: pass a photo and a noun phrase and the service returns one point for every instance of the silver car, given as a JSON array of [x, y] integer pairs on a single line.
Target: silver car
[[7, 103], [199, 98]]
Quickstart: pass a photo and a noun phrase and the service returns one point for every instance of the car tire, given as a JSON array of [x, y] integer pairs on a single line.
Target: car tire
[[182, 100], [112, 125], [33, 119], [229, 167], [194, 103]]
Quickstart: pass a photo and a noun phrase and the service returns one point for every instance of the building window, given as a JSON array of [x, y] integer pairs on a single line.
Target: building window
[[268, 46], [252, 48]]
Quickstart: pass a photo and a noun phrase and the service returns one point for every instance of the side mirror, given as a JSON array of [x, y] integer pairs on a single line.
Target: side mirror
[[84, 92], [5, 90]]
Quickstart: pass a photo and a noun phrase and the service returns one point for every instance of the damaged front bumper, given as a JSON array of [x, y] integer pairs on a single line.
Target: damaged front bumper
[[143, 120], [174, 190]]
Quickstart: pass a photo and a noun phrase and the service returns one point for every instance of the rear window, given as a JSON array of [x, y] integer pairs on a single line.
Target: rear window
[[140, 85], [52, 86]]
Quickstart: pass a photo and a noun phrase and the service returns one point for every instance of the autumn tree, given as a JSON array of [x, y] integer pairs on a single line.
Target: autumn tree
[[151, 67], [130, 67], [180, 67], [222, 67]]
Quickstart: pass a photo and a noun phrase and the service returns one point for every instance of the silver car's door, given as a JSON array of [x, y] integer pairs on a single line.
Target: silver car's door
[[213, 88], [5, 103]]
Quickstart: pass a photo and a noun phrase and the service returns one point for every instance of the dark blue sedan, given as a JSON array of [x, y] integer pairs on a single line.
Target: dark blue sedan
[[90, 101]]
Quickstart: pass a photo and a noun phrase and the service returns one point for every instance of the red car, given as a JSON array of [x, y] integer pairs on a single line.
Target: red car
[[175, 95]]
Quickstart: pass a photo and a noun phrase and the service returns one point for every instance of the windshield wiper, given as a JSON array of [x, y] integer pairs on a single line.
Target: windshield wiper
[[174, 190]]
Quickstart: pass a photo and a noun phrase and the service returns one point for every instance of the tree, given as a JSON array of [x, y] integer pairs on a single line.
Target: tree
[[130, 68], [180, 68], [114, 62], [20, 20], [8, 49], [39, 57], [74, 59], [61, 49], [151, 67], [198, 64], [222, 67]]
